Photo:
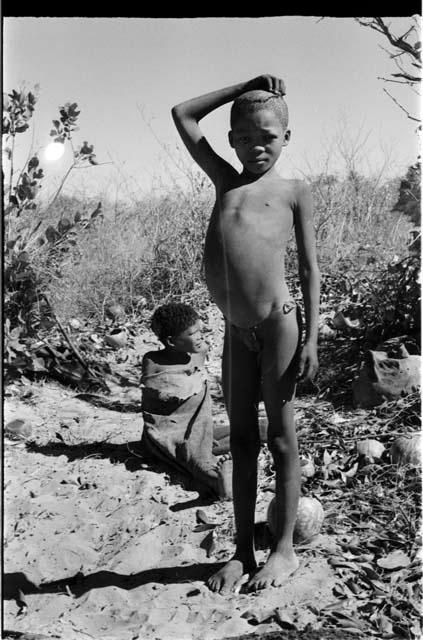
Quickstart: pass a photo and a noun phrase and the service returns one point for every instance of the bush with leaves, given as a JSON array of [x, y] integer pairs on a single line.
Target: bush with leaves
[[409, 200], [25, 308], [390, 306]]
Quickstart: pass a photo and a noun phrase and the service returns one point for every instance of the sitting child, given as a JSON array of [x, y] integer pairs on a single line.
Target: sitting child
[[176, 402]]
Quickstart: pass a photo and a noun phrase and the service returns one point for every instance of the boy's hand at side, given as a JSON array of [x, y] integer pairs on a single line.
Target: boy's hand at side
[[308, 364], [266, 82]]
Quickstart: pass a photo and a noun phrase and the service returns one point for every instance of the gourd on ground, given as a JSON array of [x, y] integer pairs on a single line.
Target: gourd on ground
[[370, 449], [407, 450], [309, 519]]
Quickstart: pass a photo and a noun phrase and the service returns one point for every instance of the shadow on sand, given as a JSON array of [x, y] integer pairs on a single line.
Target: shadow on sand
[[14, 583], [134, 456], [131, 454]]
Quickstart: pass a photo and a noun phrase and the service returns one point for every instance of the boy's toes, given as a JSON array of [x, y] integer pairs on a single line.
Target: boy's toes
[[225, 479], [255, 585], [212, 584]]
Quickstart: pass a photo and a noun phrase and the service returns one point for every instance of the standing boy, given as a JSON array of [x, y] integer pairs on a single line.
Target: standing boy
[[246, 240]]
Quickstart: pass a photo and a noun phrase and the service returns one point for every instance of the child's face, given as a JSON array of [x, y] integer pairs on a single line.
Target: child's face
[[258, 139], [190, 340]]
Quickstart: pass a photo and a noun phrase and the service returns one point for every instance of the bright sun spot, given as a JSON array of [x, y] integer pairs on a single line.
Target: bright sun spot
[[54, 151]]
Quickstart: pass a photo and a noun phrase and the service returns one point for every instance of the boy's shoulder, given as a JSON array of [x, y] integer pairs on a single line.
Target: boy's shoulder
[[297, 185], [199, 358], [152, 360], [150, 355], [298, 190]]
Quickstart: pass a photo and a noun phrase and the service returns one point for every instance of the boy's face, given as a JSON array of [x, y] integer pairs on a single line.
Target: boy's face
[[190, 340], [258, 139]]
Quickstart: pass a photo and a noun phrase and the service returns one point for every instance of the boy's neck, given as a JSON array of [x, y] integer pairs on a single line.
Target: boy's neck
[[176, 357], [253, 177]]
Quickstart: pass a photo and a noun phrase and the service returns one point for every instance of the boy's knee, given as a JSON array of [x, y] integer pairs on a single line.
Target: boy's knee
[[246, 445], [282, 448]]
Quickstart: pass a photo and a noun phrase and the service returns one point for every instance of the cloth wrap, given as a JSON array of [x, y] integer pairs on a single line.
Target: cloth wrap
[[178, 425]]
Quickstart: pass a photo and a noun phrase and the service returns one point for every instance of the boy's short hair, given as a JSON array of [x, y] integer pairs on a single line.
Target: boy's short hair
[[253, 101], [172, 319]]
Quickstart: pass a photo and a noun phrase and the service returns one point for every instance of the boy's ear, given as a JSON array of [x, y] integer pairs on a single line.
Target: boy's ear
[[169, 341], [231, 139], [286, 137]]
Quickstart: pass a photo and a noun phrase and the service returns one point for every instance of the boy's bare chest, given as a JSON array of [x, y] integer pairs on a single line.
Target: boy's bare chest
[[261, 209]]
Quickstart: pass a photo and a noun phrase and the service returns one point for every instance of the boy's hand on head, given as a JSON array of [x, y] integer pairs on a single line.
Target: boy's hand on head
[[267, 82], [308, 364]]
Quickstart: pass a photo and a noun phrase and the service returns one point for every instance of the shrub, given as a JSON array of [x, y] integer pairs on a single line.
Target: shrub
[[356, 231], [391, 307], [409, 199], [145, 256]]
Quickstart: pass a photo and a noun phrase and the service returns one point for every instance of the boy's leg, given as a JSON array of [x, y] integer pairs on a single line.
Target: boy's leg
[[281, 341], [241, 381]]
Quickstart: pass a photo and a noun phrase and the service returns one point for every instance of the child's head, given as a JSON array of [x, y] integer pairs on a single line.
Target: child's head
[[253, 101], [259, 129], [178, 327]]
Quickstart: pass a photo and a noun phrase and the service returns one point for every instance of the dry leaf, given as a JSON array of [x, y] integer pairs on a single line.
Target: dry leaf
[[209, 544], [203, 527], [394, 560], [201, 517], [384, 624], [258, 616], [284, 620]]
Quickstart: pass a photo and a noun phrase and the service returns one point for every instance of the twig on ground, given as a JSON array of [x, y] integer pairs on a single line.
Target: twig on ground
[[77, 354]]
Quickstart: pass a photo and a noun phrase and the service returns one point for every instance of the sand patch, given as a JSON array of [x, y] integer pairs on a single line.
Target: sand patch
[[100, 543]]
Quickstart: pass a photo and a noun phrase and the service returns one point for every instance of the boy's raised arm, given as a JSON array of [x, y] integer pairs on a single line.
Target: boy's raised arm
[[188, 114]]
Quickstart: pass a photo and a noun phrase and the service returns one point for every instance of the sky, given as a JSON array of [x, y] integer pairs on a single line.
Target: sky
[[127, 73]]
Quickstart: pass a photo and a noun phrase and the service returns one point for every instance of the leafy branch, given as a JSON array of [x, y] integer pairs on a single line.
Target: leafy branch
[[18, 107], [62, 130]]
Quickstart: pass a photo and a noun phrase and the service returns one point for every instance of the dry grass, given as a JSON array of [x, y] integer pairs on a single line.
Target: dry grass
[[137, 257], [150, 251]]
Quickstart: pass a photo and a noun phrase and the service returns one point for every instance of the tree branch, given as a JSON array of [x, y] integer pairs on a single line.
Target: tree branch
[[395, 81], [377, 24], [407, 77], [401, 107]]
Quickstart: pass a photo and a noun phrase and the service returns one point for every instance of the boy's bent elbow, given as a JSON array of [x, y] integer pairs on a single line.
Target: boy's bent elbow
[[181, 116], [176, 112]]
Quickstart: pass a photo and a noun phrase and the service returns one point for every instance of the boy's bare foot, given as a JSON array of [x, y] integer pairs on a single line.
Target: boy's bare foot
[[229, 576], [224, 477], [279, 566]]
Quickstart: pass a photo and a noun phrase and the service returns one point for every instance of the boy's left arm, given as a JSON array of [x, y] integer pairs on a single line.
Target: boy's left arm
[[309, 279]]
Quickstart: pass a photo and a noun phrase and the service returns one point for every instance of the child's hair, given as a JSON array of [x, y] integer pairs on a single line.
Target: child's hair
[[253, 101], [172, 319]]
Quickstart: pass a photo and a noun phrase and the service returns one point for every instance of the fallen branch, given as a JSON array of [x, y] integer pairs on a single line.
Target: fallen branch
[[75, 351]]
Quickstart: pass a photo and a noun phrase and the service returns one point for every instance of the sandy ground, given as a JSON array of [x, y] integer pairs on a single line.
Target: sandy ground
[[100, 543]]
